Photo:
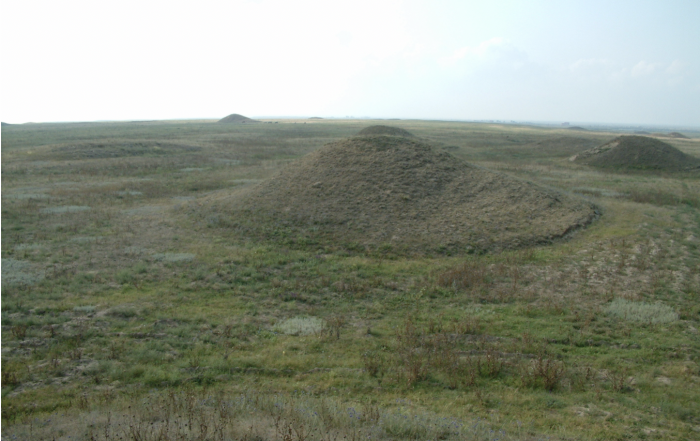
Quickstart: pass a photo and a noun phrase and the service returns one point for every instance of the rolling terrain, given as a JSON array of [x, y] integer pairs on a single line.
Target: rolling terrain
[[142, 300]]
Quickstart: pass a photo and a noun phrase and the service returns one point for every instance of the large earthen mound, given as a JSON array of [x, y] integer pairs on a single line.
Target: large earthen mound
[[388, 192], [237, 119], [637, 153], [385, 130]]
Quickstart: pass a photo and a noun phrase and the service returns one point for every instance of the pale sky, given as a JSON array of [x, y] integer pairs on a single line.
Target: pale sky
[[626, 62]]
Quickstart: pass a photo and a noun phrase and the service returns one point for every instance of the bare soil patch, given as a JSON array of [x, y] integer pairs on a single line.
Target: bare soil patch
[[378, 191], [637, 153]]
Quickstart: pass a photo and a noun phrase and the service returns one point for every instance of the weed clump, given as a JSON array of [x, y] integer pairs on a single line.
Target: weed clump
[[652, 313]]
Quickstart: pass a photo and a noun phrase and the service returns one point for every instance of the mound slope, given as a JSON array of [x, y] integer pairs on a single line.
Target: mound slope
[[236, 118], [563, 145], [637, 153], [377, 191], [385, 130]]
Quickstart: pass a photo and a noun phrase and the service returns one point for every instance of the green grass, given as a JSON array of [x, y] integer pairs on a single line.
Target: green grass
[[140, 309]]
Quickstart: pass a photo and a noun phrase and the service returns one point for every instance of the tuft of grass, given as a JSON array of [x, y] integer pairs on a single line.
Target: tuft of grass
[[641, 312], [301, 326], [65, 209], [174, 257]]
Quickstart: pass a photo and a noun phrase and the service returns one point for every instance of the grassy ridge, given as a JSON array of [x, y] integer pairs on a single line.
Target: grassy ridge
[[144, 303]]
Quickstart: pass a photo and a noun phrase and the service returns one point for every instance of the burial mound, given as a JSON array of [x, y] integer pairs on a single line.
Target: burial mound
[[395, 193], [385, 130], [637, 153], [238, 119]]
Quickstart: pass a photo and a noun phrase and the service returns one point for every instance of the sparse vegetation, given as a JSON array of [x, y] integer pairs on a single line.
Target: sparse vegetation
[[147, 316], [641, 312]]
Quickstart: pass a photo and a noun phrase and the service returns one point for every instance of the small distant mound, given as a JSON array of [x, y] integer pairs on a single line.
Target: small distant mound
[[385, 130], [390, 193], [637, 153], [677, 135], [315, 117], [237, 119], [641, 132], [578, 128]]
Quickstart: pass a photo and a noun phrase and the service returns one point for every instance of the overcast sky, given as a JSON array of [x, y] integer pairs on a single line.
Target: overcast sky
[[629, 62]]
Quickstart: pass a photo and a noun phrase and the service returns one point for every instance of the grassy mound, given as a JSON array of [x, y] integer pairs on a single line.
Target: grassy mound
[[677, 135], [114, 148], [394, 193], [637, 153], [385, 130], [237, 119]]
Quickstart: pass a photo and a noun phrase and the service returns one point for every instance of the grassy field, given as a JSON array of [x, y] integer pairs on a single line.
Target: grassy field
[[128, 314]]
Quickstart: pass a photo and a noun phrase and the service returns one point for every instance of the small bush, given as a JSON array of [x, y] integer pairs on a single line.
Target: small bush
[[641, 312], [124, 276]]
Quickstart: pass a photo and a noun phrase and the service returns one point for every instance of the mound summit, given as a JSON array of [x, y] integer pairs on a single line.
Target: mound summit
[[375, 192], [637, 153], [236, 118], [385, 130]]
